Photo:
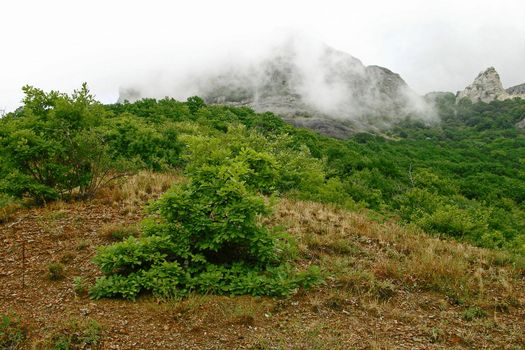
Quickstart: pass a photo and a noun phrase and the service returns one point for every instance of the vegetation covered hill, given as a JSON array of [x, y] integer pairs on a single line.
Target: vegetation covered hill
[[353, 238], [385, 287]]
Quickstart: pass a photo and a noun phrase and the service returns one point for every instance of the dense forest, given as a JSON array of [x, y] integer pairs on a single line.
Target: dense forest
[[461, 178]]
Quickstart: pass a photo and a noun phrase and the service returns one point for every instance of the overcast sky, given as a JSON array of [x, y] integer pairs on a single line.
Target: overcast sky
[[440, 45]]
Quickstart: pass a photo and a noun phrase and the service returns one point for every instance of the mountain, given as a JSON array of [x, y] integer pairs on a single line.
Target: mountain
[[313, 86], [517, 90], [487, 87]]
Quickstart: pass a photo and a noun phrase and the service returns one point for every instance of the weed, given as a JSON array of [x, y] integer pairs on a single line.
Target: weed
[[83, 244], [8, 206], [56, 214], [79, 286], [384, 290], [12, 332], [474, 312], [74, 334], [435, 335], [242, 312], [67, 257], [55, 271]]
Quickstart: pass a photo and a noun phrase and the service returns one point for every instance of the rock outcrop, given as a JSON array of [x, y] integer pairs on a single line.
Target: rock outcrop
[[487, 87], [518, 90]]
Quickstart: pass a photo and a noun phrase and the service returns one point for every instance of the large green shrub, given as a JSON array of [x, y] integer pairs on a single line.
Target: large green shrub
[[207, 238], [147, 145], [60, 145], [54, 145]]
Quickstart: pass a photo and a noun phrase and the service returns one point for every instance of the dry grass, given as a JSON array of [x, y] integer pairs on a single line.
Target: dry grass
[[367, 257], [133, 191], [118, 232], [7, 211]]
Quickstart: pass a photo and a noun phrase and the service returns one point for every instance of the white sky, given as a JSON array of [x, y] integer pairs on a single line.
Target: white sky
[[439, 45]]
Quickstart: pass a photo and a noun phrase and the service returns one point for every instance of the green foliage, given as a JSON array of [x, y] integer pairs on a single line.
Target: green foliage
[[474, 312], [195, 103], [149, 145], [468, 168], [60, 145], [462, 177], [207, 237], [52, 145]]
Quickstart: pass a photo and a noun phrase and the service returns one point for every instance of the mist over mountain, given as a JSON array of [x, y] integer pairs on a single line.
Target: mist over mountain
[[308, 83]]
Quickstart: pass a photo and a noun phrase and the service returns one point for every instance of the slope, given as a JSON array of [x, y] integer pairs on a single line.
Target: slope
[[386, 286]]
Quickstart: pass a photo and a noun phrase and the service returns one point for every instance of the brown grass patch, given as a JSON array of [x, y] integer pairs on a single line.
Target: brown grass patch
[[133, 191], [376, 259]]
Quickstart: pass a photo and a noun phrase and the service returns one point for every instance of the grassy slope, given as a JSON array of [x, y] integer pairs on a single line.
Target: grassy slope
[[386, 286]]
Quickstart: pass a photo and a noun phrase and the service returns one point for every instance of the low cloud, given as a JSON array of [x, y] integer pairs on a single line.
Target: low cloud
[[292, 75]]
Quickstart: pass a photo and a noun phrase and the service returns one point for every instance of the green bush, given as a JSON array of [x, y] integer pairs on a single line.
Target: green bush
[[149, 145], [60, 146], [207, 239], [53, 146]]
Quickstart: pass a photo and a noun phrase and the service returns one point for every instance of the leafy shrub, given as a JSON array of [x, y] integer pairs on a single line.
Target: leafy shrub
[[148, 145], [285, 168], [53, 146], [207, 238], [60, 145]]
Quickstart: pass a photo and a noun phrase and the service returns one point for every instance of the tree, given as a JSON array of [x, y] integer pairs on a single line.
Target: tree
[[54, 146]]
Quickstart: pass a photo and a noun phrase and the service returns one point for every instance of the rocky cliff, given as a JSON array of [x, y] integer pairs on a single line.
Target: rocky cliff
[[487, 87], [517, 90]]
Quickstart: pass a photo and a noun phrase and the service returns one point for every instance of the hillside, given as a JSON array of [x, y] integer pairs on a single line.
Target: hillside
[[166, 224], [387, 286]]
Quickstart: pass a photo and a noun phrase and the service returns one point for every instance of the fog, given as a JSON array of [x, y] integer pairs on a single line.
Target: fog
[[294, 75], [159, 45]]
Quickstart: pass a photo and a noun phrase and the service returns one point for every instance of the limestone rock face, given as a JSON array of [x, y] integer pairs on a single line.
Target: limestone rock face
[[517, 91], [486, 87]]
